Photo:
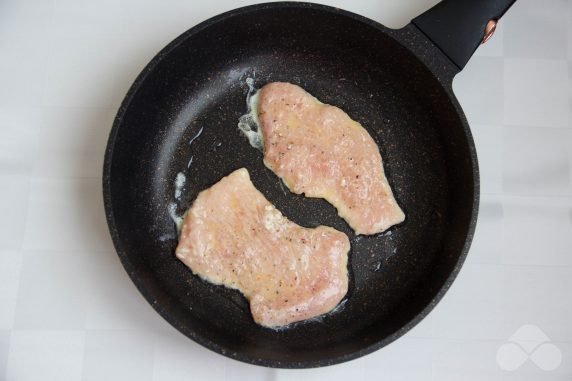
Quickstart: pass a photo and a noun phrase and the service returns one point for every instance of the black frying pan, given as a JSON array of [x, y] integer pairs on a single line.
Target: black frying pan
[[396, 83]]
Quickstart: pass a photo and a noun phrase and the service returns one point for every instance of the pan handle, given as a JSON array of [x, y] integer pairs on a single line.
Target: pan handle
[[458, 27]]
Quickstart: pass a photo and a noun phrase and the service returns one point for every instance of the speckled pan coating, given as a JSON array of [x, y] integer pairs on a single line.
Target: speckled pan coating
[[394, 82]]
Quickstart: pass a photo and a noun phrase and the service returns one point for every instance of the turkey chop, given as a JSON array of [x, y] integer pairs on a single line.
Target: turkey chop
[[232, 235], [318, 150]]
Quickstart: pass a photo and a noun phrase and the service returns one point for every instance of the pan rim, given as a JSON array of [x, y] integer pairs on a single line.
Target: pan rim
[[197, 336]]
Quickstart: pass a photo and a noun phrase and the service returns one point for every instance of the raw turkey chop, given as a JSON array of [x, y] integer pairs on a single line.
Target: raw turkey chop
[[318, 150], [232, 235]]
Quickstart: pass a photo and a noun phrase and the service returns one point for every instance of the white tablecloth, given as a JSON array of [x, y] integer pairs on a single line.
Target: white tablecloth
[[67, 308]]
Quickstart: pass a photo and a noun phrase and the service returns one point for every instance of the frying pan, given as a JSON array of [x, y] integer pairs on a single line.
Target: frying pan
[[181, 115]]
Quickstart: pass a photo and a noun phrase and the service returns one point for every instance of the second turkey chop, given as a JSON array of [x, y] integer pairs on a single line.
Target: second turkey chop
[[318, 150], [234, 236]]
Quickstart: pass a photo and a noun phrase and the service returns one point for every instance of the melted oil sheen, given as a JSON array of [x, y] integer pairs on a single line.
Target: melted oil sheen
[[179, 184], [180, 181], [248, 123]]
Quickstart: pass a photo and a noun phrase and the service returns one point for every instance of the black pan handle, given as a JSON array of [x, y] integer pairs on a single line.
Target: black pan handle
[[458, 27]]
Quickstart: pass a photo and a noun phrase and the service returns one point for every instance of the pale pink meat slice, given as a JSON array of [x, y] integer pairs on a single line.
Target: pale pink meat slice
[[318, 150], [232, 235]]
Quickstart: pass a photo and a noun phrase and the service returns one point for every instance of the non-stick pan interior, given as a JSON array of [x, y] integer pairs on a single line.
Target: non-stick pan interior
[[197, 86]]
